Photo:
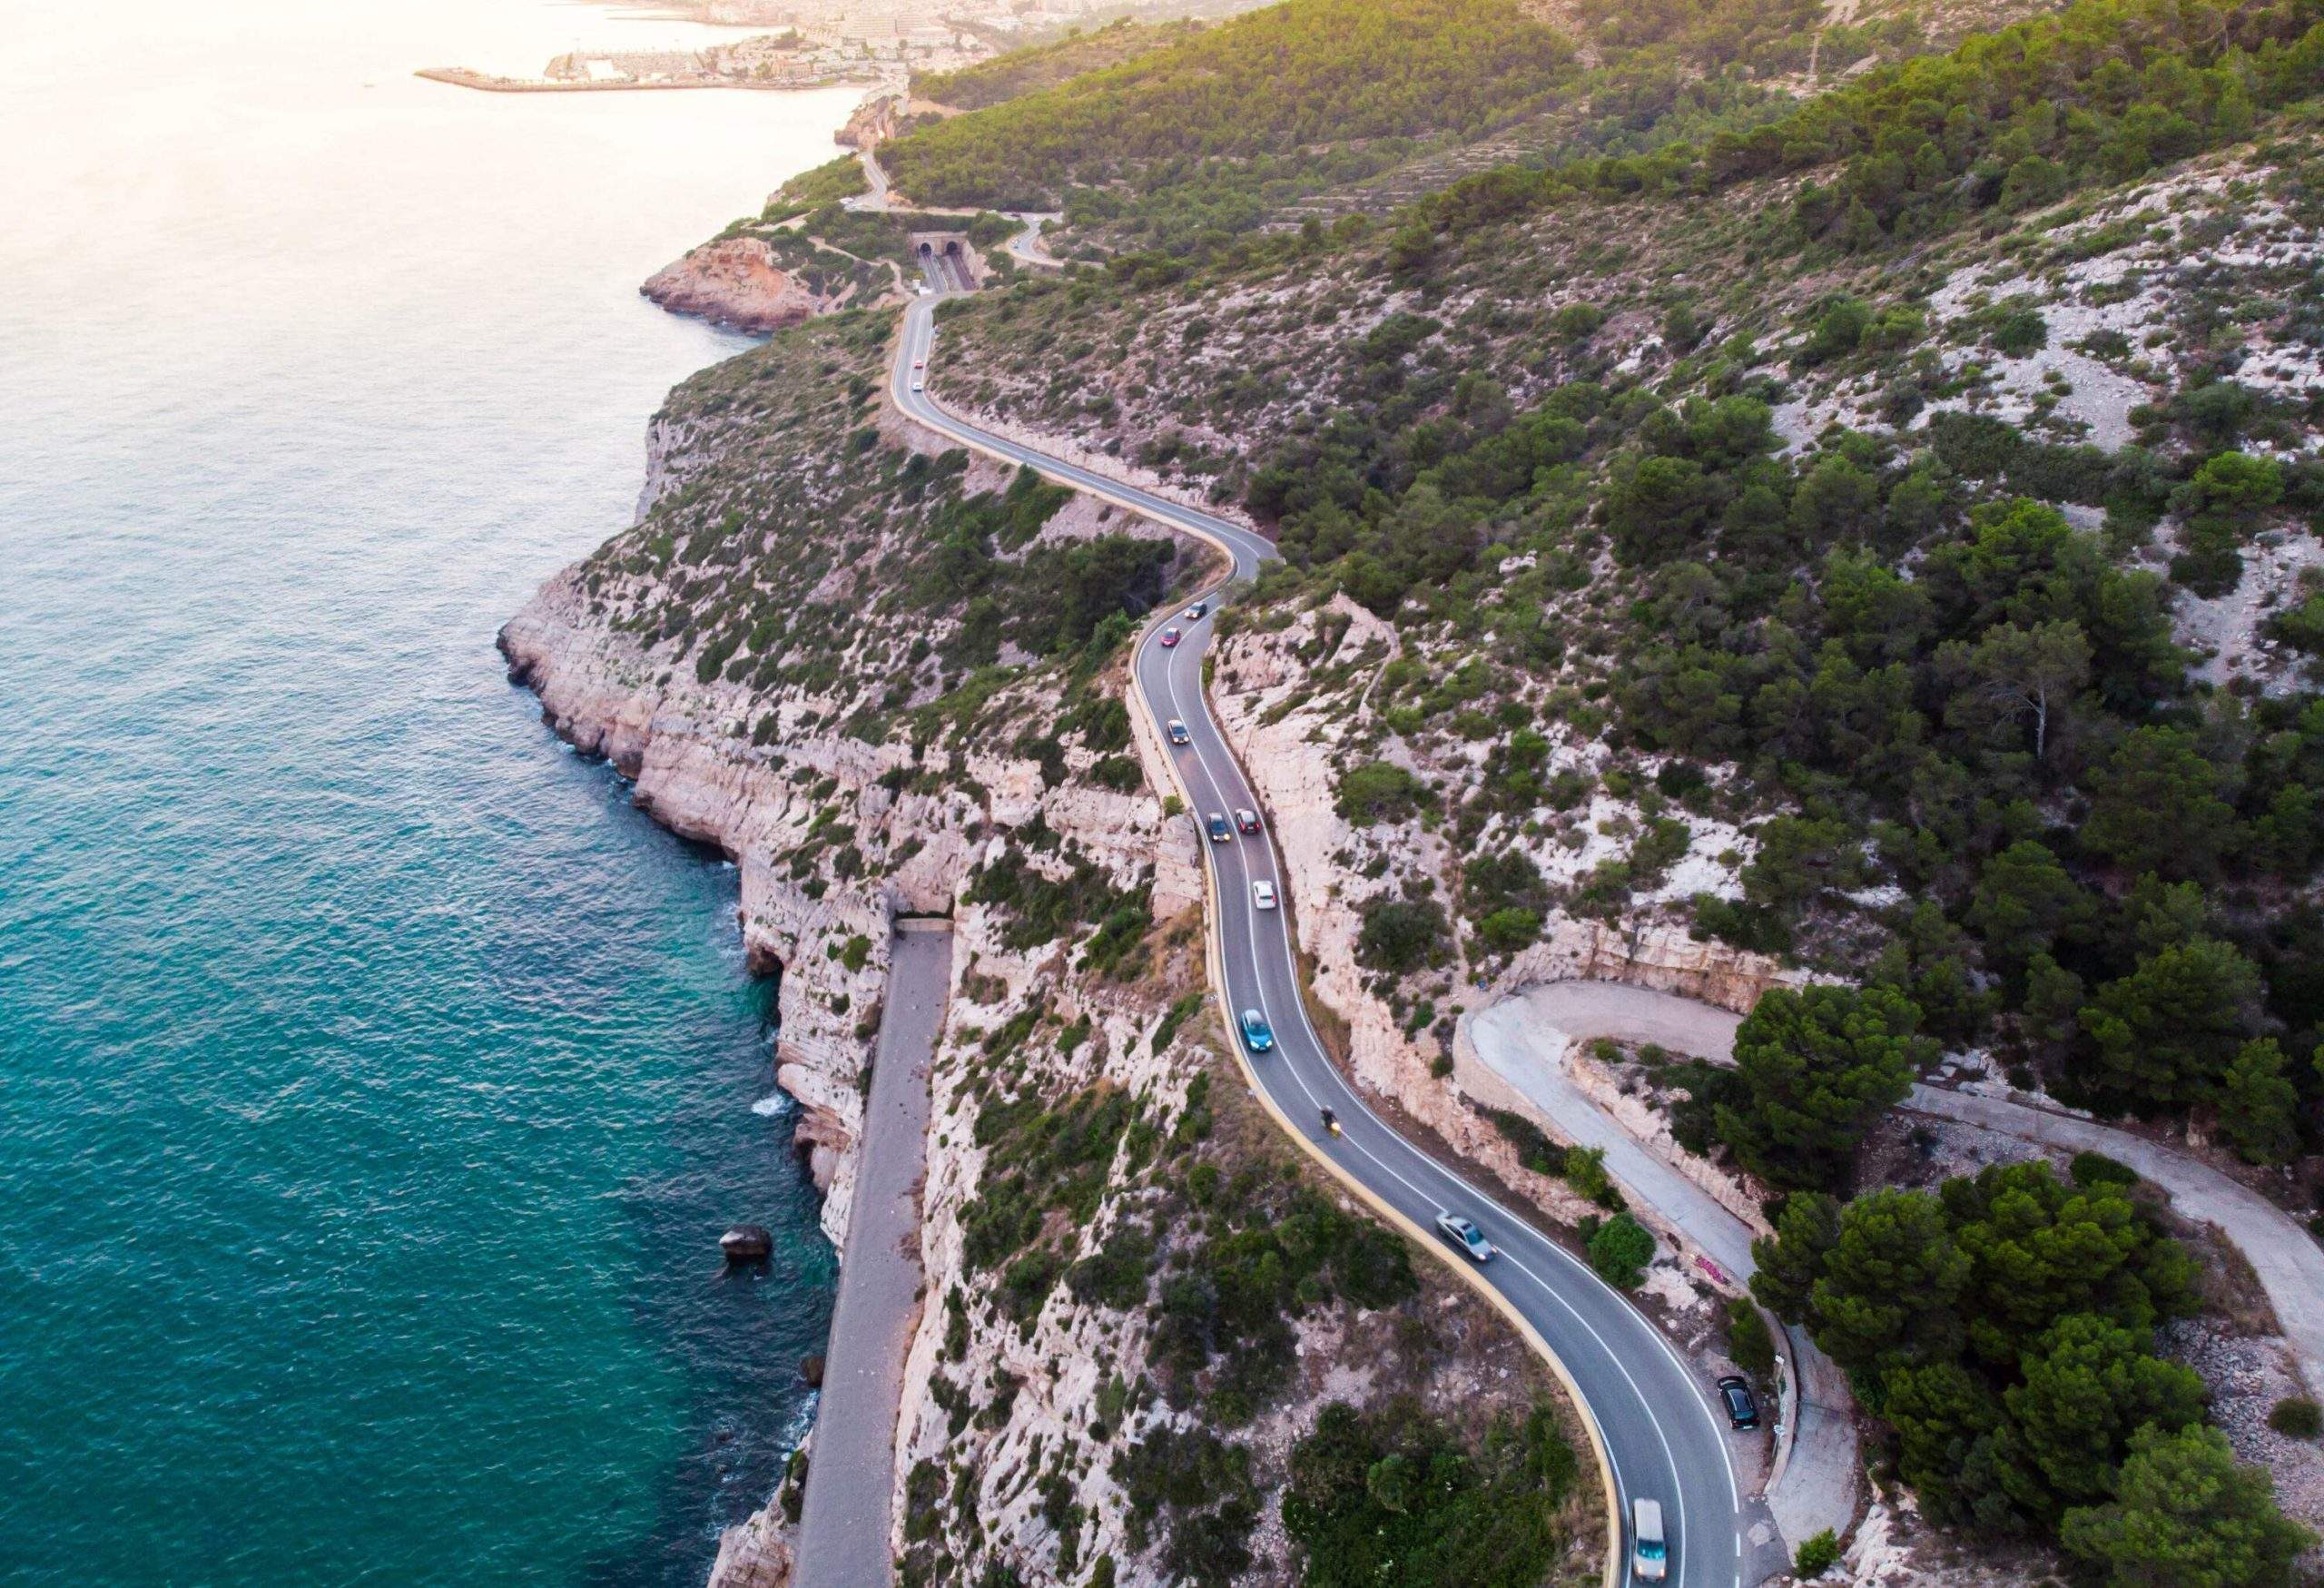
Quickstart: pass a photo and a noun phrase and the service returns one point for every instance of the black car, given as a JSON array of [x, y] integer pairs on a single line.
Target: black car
[[1735, 1393], [1217, 826]]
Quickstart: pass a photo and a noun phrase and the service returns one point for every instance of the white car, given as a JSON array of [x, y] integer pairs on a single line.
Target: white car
[[917, 384], [1262, 894], [1650, 1551]]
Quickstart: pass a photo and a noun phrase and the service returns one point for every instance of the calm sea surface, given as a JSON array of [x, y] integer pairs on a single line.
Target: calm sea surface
[[374, 1081]]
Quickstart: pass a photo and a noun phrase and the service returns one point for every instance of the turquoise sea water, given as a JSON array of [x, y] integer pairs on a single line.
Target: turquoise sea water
[[374, 1081]]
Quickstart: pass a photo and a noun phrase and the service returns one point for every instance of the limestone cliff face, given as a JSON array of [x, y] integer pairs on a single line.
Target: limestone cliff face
[[832, 834], [696, 768], [690, 752], [735, 281], [871, 123], [755, 1554], [703, 779], [1062, 1358], [835, 833]]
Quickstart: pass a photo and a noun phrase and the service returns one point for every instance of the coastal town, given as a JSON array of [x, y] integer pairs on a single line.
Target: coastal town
[[827, 43]]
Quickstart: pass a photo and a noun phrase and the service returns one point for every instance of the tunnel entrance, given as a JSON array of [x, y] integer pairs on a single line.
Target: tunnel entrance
[[949, 260]]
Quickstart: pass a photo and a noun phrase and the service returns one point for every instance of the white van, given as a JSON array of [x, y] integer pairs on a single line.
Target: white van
[[1649, 1556]]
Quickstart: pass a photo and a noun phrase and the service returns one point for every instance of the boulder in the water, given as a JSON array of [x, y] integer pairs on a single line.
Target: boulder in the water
[[747, 1243], [811, 1368]]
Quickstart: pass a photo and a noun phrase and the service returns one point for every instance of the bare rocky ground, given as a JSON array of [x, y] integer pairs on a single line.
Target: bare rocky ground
[[2247, 1375], [740, 282], [1894, 1547]]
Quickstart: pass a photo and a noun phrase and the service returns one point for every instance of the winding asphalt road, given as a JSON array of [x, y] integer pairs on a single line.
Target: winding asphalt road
[[1653, 1419]]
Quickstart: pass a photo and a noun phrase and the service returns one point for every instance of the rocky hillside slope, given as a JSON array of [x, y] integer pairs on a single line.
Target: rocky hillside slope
[[1875, 544], [886, 679], [1837, 536]]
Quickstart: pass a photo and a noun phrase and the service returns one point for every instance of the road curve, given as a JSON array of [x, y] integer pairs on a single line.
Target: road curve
[[1652, 1418]]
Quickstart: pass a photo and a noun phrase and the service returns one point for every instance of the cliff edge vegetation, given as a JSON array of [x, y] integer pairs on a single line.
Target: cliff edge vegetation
[[1155, 1345]]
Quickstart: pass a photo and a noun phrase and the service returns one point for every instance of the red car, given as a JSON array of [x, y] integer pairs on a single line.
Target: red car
[[1169, 637]]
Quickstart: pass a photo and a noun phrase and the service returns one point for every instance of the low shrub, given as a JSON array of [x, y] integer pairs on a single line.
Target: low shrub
[[1750, 1340], [1619, 1250], [1401, 935], [1390, 1495], [2297, 1418]]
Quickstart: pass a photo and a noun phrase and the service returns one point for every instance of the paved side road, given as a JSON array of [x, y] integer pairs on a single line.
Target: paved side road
[[852, 1467], [2286, 1257], [1524, 1040], [1025, 245]]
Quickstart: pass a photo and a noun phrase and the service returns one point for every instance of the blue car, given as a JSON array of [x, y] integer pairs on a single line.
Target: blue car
[[1256, 1036]]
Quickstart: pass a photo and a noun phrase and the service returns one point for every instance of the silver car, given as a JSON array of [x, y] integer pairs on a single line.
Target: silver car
[[1466, 1236]]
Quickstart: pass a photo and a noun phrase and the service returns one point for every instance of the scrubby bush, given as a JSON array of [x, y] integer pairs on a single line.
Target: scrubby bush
[[1393, 1496], [1402, 936], [1584, 1168], [1838, 326], [1816, 1556], [2096, 1168], [1750, 1340], [1505, 931], [1619, 1250], [2296, 1417], [1578, 321], [1378, 791]]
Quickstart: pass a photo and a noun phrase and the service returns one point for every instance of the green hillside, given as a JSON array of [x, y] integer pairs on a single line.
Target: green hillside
[[1295, 91], [2105, 90], [1039, 67]]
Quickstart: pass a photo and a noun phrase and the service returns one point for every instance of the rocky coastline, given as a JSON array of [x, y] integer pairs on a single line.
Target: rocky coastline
[[736, 281], [764, 775], [695, 767]]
